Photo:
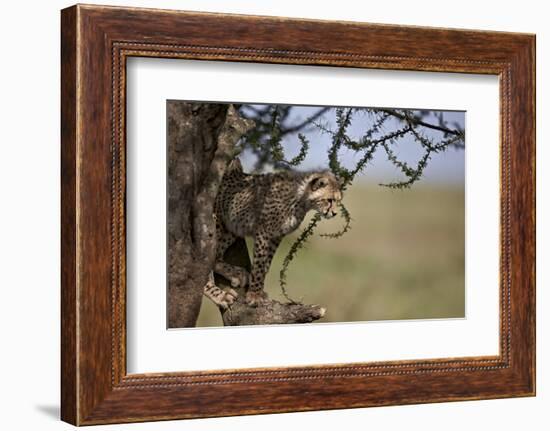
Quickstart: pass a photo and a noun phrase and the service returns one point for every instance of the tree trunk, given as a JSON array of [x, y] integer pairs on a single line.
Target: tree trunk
[[194, 156], [201, 141]]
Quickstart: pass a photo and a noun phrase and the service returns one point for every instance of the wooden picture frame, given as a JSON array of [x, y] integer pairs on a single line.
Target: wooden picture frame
[[95, 43]]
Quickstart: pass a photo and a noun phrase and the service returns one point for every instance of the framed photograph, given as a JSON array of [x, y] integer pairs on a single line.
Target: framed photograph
[[266, 215]]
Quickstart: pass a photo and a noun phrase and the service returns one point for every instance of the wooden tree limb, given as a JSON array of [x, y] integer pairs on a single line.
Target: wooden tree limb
[[271, 312]]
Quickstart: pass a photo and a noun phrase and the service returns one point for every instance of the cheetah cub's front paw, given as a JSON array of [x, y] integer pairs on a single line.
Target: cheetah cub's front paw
[[222, 298], [256, 297]]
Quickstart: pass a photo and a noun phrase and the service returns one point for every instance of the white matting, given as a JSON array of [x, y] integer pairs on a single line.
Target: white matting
[[153, 348]]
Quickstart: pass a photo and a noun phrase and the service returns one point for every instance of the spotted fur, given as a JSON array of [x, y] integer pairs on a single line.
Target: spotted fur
[[266, 207]]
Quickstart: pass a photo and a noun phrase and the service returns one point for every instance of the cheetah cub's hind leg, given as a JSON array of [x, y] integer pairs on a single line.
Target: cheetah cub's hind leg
[[237, 276], [222, 298]]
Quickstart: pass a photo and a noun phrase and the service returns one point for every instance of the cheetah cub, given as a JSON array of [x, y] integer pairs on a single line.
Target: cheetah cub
[[265, 207]]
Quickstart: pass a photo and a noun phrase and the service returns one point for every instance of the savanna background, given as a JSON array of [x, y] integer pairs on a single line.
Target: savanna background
[[403, 257]]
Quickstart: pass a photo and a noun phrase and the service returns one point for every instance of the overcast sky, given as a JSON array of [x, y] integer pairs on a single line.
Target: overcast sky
[[444, 168]]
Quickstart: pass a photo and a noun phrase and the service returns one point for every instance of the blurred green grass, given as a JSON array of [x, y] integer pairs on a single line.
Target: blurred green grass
[[402, 259]]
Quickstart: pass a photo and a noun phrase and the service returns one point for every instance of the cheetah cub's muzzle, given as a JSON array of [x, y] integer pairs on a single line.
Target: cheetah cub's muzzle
[[330, 208]]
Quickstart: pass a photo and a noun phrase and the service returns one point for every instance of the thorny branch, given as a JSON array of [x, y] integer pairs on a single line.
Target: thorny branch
[[273, 124]]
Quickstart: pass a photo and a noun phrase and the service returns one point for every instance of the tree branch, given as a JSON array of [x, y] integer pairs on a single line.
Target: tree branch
[[394, 113], [271, 312], [298, 127]]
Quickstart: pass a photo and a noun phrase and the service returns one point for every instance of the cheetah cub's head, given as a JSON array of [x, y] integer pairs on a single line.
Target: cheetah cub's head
[[324, 193]]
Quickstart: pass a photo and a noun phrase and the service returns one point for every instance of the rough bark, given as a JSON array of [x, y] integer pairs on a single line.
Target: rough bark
[[201, 142], [193, 132]]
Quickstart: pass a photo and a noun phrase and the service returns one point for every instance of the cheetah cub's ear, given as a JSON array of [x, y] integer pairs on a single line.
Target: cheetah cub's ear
[[235, 165], [317, 182]]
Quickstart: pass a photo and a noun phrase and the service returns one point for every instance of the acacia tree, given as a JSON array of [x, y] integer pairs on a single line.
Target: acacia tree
[[203, 138]]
